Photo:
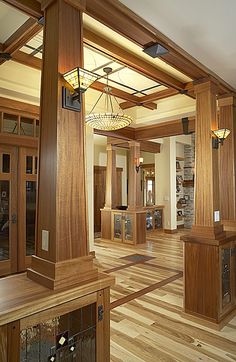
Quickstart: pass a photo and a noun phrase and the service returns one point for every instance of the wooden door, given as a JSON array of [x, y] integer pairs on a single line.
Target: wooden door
[[100, 191], [8, 210], [99, 195], [27, 186]]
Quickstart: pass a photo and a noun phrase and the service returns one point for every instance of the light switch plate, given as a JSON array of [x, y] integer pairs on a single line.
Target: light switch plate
[[216, 216], [45, 240]]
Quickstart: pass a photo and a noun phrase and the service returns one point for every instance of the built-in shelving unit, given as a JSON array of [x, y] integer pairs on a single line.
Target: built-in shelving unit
[[180, 199]]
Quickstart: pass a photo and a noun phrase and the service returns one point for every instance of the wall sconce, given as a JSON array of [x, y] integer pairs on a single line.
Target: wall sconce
[[219, 136], [80, 80], [138, 163]]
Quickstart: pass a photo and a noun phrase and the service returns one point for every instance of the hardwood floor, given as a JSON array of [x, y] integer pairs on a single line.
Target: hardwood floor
[[146, 306]]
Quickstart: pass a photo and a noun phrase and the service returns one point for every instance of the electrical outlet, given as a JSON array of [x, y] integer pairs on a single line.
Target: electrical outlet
[[45, 240]]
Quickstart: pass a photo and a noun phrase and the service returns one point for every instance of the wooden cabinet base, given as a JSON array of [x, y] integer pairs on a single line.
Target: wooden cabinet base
[[124, 226], [36, 321], [209, 278]]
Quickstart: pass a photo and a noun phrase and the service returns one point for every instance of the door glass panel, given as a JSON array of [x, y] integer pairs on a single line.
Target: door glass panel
[[117, 226], [5, 163], [30, 216], [4, 220], [26, 126], [226, 292], [128, 227], [29, 164], [37, 128], [36, 165], [10, 123]]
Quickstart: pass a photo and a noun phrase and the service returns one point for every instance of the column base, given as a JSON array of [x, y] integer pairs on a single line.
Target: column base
[[208, 232], [229, 225], [62, 274]]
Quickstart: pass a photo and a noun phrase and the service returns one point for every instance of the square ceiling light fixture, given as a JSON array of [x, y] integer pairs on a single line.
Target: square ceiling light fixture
[[155, 50]]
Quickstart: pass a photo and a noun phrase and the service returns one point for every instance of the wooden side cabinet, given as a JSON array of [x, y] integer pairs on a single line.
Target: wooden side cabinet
[[210, 278], [128, 226], [72, 326]]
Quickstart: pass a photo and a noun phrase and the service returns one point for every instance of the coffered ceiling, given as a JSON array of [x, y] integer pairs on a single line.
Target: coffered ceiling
[[148, 92]]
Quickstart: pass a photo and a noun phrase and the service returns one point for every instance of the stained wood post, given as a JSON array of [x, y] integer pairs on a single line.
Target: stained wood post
[[207, 202], [111, 178], [62, 247], [134, 190], [227, 119]]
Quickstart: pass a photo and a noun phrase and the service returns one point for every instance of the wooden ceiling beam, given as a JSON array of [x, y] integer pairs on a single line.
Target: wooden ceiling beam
[[164, 129], [151, 97], [31, 8], [145, 146], [127, 133], [20, 37], [131, 60], [121, 19], [27, 59], [123, 95]]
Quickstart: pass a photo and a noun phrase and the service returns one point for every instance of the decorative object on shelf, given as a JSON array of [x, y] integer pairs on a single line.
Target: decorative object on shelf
[[138, 163], [79, 80], [178, 167], [111, 119], [219, 135]]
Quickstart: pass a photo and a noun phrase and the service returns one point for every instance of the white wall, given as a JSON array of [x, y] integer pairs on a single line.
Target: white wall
[[165, 174]]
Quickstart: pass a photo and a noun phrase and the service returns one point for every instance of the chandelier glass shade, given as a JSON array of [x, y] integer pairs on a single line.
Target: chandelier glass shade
[[113, 118]]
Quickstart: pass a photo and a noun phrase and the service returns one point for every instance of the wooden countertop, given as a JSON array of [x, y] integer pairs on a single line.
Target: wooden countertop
[[21, 297], [228, 237]]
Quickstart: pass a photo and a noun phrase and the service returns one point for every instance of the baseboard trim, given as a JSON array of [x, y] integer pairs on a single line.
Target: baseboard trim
[[170, 231]]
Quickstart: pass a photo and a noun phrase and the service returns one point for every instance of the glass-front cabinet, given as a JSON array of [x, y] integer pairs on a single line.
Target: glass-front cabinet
[[228, 276], [154, 218], [123, 227], [128, 226]]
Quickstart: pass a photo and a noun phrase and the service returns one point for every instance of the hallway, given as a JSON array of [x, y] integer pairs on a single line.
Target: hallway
[[146, 305]]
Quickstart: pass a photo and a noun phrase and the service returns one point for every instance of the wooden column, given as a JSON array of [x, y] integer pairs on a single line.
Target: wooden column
[[62, 249], [205, 288], [207, 202], [134, 190], [111, 178], [227, 119]]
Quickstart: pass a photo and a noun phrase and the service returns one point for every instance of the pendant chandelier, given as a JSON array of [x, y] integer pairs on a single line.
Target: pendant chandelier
[[113, 118]]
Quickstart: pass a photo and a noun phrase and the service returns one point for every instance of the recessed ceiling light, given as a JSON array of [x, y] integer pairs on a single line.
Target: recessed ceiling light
[[155, 50]]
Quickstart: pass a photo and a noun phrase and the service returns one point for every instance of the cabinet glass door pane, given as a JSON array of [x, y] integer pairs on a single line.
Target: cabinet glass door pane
[[117, 226], [26, 126], [30, 216], [149, 221], [10, 123], [158, 219], [226, 292], [128, 227], [4, 220]]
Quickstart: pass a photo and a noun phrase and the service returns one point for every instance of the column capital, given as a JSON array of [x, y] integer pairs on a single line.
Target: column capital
[[78, 4], [110, 147], [205, 84], [227, 100], [134, 144]]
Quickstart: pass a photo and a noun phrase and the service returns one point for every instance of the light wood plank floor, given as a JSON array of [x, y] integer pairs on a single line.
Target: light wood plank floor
[[146, 305]]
